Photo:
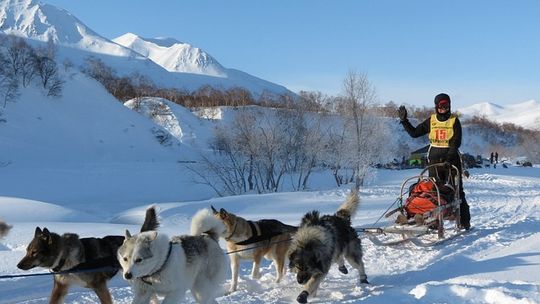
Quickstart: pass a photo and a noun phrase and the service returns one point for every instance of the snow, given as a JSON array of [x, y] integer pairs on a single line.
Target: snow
[[180, 122], [92, 127], [86, 163], [497, 262]]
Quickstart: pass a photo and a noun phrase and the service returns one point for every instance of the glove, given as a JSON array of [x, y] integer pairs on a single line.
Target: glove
[[402, 113]]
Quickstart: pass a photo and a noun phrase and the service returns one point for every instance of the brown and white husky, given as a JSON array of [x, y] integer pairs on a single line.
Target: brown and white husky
[[268, 238]]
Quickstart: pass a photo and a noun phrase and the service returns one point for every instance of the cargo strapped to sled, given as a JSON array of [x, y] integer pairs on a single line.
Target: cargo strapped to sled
[[427, 195]]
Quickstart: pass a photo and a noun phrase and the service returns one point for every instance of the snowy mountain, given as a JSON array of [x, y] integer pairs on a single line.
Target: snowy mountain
[[173, 55], [176, 65], [43, 22], [525, 114]]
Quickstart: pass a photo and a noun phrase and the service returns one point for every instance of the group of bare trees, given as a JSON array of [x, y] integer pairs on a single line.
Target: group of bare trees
[[22, 65], [261, 148], [265, 148]]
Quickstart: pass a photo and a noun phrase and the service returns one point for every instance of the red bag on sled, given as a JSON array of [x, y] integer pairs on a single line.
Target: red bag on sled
[[423, 198]]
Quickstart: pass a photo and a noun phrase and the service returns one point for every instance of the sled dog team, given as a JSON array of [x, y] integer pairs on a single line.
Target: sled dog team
[[157, 265]]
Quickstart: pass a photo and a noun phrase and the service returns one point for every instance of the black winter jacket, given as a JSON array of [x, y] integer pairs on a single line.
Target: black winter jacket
[[436, 154]]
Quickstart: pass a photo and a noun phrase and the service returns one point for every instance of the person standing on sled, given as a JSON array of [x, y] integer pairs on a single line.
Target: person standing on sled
[[444, 131]]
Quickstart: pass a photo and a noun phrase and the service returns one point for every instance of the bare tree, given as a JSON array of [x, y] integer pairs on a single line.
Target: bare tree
[[20, 59], [47, 71], [358, 100], [97, 69], [9, 85], [314, 101]]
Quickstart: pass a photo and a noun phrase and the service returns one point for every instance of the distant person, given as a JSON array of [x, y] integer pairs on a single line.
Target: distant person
[[444, 129], [491, 159], [496, 157]]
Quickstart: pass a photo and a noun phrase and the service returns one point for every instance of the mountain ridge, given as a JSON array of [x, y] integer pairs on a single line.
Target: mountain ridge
[[40, 23], [525, 114], [173, 55]]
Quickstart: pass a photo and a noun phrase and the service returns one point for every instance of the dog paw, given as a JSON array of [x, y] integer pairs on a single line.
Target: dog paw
[[364, 281], [343, 269], [302, 297]]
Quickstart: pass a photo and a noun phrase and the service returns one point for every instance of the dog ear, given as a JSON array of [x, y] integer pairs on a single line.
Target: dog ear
[[38, 232], [46, 234], [214, 210], [128, 235]]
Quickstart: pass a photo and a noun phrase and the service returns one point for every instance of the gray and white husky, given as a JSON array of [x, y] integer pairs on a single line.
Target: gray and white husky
[[155, 264], [322, 241]]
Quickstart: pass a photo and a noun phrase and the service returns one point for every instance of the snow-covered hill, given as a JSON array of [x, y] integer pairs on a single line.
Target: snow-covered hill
[[525, 114], [180, 122], [85, 124], [191, 67]]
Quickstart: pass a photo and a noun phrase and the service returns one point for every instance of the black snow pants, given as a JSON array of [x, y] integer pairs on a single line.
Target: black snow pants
[[439, 155]]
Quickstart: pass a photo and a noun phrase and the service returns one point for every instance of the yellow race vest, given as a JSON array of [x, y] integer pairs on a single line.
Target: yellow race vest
[[441, 131]]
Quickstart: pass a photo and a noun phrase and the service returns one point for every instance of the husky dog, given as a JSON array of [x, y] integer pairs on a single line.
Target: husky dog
[[269, 239], [69, 252], [323, 240], [156, 265], [4, 229]]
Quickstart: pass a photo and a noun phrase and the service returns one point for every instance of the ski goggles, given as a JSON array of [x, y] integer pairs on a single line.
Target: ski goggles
[[443, 105]]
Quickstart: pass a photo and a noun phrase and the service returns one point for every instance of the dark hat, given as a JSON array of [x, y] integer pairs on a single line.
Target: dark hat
[[442, 98]]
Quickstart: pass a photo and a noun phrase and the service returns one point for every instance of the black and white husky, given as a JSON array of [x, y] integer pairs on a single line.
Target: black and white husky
[[323, 240], [155, 264]]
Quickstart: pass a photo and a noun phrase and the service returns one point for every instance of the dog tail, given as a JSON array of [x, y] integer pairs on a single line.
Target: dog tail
[[349, 207], [4, 228], [204, 222], [151, 222]]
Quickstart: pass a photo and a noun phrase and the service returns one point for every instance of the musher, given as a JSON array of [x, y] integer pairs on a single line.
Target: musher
[[444, 131]]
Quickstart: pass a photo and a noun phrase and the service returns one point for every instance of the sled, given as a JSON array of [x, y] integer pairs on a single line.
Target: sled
[[427, 214]]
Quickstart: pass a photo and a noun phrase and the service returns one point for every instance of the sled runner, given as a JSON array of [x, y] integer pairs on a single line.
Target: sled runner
[[428, 211]]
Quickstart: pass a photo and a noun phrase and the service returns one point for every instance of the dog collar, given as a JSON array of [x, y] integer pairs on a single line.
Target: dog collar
[[143, 278], [60, 265]]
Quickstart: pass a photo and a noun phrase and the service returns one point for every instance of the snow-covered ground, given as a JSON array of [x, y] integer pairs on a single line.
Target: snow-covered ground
[[497, 262]]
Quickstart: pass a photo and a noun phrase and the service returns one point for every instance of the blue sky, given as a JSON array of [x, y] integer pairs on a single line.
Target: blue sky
[[476, 51]]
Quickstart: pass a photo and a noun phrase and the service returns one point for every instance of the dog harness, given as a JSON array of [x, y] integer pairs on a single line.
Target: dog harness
[[144, 278], [264, 230]]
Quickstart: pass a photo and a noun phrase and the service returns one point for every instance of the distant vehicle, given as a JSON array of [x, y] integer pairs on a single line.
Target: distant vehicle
[[527, 164], [470, 161]]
